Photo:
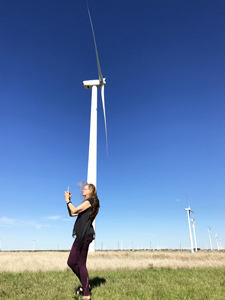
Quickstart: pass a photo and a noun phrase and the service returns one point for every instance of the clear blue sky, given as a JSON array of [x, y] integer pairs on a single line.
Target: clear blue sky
[[165, 100]]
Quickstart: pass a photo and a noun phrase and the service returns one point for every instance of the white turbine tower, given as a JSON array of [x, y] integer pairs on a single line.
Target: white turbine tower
[[92, 157], [217, 241], [210, 238], [1, 244], [193, 226], [33, 243], [189, 225], [220, 244]]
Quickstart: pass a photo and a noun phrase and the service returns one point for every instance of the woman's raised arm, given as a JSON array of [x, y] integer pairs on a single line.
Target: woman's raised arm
[[74, 211]]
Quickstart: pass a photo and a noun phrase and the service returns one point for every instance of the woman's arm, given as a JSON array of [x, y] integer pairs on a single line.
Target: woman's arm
[[67, 198], [69, 211], [74, 211]]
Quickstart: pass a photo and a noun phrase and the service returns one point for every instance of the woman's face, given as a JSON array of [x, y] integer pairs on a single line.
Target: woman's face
[[86, 191]]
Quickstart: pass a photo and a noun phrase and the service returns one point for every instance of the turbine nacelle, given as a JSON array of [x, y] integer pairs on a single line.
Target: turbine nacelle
[[88, 84]]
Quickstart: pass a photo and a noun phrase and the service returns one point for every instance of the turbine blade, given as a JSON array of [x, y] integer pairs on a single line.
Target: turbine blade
[[103, 106], [96, 51]]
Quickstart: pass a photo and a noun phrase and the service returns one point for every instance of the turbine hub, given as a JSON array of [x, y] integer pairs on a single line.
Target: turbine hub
[[88, 84]]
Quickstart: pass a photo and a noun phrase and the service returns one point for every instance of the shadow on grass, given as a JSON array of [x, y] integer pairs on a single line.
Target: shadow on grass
[[97, 281]]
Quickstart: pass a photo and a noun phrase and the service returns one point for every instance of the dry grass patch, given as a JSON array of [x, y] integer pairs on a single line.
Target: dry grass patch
[[112, 260]]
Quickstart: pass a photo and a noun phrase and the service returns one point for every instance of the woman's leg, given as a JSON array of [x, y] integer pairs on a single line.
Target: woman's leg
[[74, 258], [84, 278]]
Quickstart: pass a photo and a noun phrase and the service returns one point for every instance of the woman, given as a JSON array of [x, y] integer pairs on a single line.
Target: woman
[[85, 234]]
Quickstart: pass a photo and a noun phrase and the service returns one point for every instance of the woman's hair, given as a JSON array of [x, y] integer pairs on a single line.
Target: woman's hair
[[95, 207]]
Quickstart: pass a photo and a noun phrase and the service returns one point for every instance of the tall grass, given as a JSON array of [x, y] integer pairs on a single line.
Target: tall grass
[[112, 260], [145, 284]]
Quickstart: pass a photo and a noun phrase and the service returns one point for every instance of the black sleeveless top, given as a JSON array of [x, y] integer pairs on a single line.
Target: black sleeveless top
[[83, 225]]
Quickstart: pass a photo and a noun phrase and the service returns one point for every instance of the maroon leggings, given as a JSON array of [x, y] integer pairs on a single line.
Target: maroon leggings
[[77, 262]]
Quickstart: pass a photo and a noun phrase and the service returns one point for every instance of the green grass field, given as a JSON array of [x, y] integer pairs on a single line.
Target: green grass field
[[115, 285]]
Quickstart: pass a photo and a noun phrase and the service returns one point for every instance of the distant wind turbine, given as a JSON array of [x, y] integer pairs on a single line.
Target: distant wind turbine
[[210, 238], [33, 243], [92, 157], [1, 244], [221, 244], [217, 241], [189, 225], [193, 226]]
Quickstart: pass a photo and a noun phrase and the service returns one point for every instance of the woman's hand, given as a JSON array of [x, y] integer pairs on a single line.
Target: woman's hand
[[67, 196]]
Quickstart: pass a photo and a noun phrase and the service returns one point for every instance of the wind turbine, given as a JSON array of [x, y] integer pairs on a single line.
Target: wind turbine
[[92, 157], [33, 243], [1, 244], [189, 225], [210, 238], [221, 244], [193, 226], [217, 242]]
